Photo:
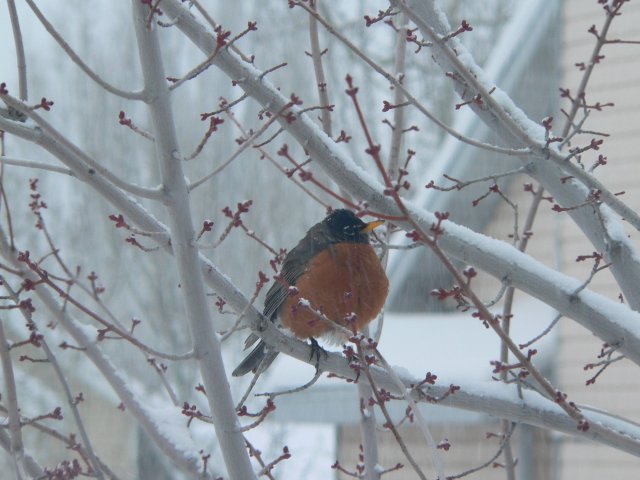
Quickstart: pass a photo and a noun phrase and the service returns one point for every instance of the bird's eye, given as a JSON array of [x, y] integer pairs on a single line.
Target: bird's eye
[[349, 230]]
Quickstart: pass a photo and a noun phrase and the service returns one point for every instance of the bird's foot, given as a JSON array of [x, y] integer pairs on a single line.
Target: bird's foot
[[316, 351]]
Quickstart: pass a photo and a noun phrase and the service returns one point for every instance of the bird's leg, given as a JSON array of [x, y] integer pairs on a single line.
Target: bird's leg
[[316, 351]]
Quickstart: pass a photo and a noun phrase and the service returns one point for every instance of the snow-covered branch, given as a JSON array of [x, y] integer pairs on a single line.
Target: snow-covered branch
[[205, 342], [529, 399], [500, 400], [497, 258], [85, 337], [598, 223]]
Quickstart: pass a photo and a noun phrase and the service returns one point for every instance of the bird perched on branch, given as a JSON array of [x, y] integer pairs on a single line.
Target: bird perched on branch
[[331, 283]]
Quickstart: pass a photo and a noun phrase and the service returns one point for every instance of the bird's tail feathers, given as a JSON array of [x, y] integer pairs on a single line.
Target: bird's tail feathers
[[260, 356]]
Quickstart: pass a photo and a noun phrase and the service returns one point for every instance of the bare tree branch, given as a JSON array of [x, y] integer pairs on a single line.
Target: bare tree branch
[[206, 344], [502, 115], [495, 257], [78, 61], [110, 373], [17, 39]]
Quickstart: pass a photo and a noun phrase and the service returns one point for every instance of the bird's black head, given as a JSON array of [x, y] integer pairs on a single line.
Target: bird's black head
[[344, 226]]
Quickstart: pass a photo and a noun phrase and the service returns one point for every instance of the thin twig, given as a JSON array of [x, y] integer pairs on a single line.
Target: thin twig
[[245, 144], [257, 454], [399, 98], [13, 408], [268, 156], [214, 26], [78, 61], [506, 437], [368, 423], [396, 83], [586, 76], [5, 199], [37, 165], [388, 420], [321, 81], [20, 57], [273, 395], [460, 184], [151, 193], [421, 421]]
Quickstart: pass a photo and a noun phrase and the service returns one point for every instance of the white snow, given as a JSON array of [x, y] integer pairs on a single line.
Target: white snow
[[455, 347], [450, 345], [312, 448], [518, 32]]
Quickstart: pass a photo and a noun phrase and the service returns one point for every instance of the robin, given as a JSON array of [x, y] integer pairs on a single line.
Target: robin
[[332, 275]]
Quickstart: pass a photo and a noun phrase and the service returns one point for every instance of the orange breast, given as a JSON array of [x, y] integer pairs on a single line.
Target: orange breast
[[345, 279]]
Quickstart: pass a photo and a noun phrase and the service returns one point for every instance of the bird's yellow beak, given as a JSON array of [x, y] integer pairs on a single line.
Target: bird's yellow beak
[[371, 225]]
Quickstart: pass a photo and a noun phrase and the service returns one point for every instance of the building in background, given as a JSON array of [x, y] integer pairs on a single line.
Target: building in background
[[525, 64], [533, 55]]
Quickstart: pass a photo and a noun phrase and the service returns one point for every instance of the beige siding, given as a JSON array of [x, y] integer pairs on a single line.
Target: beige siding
[[470, 448], [557, 241], [617, 81]]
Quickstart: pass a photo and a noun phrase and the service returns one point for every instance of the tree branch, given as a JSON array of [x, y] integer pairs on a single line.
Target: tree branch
[[495, 257], [36, 165], [414, 101], [11, 393], [88, 448], [205, 342], [115, 378], [78, 61], [91, 165], [20, 57], [503, 116]]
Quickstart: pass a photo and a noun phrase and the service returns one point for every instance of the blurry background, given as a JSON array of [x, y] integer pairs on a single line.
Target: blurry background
[[528, 47]]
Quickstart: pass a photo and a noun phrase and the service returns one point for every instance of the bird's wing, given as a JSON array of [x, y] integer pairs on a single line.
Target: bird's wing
[[294, 265]]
